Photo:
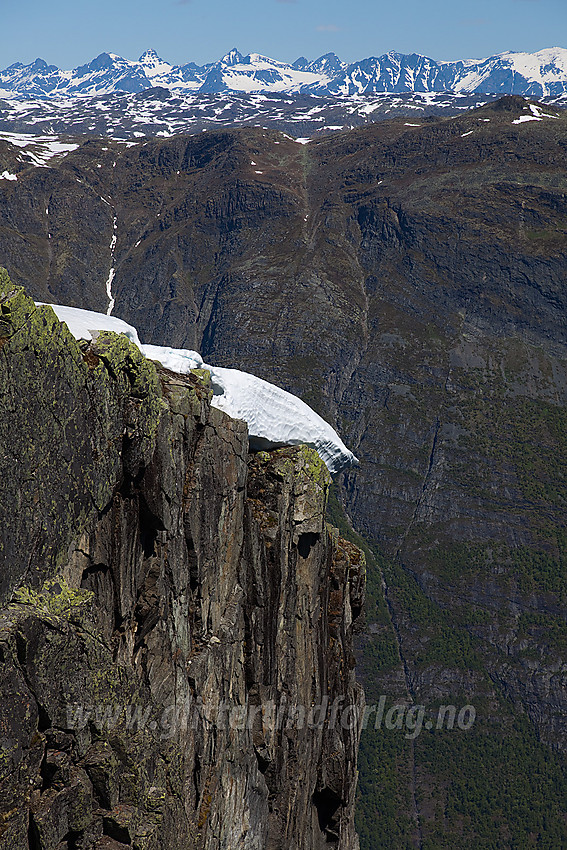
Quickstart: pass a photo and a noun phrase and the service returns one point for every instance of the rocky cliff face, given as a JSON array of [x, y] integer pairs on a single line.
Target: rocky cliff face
[[176, 617]]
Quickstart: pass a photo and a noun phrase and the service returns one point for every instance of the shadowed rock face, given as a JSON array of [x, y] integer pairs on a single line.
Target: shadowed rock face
[[409, 283], [156, 582]]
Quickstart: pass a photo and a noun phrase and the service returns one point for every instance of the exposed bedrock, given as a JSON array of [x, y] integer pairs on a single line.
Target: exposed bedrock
[[165, 598]]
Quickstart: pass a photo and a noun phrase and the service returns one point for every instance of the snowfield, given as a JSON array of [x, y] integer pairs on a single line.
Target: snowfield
[[274, 417], [82, 323], [38, 149]]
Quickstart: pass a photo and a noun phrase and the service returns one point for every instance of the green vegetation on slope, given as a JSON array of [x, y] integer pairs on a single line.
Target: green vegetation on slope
[[494, 786]]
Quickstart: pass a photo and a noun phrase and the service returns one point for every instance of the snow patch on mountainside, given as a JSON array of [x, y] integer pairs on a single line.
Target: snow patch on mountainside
[[39, 149], [112, 272]]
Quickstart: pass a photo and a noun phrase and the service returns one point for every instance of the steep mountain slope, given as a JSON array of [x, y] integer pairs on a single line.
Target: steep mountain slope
[[409, 283], [148, 700]]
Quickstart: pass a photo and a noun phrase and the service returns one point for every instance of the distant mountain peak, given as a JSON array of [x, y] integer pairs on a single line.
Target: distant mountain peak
[[327, 64], [153, 66], [103, 60], [233, 57], [149, 54]]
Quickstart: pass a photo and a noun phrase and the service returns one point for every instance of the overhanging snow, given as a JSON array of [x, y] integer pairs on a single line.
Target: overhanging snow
[[274, 416]]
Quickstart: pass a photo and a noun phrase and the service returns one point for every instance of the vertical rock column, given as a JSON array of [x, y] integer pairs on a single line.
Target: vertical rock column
[[175, 615]]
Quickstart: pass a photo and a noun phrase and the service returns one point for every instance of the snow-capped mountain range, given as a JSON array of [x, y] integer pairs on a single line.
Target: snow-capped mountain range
[[541, 74]]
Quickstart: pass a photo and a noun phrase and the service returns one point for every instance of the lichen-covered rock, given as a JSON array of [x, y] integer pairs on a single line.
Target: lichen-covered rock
[[171, 612]]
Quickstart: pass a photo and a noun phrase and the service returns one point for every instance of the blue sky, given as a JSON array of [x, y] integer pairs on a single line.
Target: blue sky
[[70, 32]]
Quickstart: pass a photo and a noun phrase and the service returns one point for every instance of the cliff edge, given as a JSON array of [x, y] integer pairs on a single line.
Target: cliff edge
[[176, 617]]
